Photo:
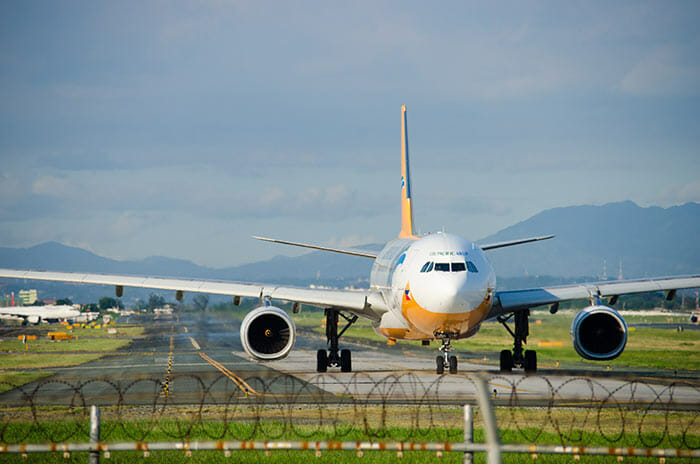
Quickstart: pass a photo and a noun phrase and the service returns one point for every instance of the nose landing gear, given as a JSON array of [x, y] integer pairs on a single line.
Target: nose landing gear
[[444, 359], [526, 359], [334, 357]]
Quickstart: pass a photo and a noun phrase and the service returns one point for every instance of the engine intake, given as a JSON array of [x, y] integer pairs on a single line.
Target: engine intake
[[599, 333], [268, 333]]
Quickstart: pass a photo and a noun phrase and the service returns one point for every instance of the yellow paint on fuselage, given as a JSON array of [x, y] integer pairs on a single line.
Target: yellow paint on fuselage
[[431, 322]]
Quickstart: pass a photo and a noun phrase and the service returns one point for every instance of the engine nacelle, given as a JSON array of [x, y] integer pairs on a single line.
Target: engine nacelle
[[268, 333], [599, 333]]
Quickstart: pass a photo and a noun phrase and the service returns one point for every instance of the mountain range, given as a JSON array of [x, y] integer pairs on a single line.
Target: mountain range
[[590, 241]]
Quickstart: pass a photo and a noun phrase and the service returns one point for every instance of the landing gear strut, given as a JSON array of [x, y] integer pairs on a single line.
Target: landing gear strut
[[334, 357], [526, 359], [444, 359]]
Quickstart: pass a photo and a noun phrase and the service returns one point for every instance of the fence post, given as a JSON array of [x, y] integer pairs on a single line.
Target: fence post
[[468, 432], [94, 434], [489, 418]]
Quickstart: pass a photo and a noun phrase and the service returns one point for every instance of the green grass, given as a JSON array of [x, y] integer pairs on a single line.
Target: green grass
[[9, 379], [81, 344], [44, 360], [294, 457], [646, 347], [122, 331], [171, 430]]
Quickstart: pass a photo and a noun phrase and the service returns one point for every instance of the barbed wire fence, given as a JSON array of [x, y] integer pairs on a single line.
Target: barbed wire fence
[[362, 412]]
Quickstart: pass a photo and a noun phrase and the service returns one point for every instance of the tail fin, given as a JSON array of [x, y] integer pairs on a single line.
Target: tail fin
[[406, 207]]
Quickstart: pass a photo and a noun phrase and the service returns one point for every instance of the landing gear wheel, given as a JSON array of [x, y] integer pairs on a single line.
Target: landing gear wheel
[[345, 361], [440, 365], [453, 364], [506, 361], [321, 361], [530, 361]]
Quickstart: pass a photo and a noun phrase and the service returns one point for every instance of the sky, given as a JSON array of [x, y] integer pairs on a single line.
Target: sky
[[181, 128]]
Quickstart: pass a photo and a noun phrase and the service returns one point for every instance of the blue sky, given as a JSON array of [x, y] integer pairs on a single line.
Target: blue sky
[[182, 128]]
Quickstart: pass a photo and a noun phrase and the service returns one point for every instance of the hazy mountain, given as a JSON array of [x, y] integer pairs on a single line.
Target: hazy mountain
[[649, 241]]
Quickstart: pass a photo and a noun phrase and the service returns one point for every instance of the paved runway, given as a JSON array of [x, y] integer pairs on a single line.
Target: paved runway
[[199, 359]]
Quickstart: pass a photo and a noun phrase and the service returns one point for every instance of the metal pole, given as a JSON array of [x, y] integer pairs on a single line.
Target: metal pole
[[94, 434], [468, 432], [490, 429]]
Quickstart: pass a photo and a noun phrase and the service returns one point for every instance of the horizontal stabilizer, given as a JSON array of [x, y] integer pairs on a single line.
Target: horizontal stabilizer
[[491, 246], [364, 254]]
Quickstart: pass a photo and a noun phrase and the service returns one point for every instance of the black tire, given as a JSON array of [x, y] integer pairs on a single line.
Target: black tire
[[345, 361], [321, 361], [506, 361], [530, 361], [440, 365], [453, 364]]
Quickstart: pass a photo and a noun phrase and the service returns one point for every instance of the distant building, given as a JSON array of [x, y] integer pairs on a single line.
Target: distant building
[[28, 297], [6, 300]]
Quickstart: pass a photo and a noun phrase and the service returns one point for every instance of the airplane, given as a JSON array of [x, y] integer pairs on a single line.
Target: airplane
[[438, 287], [38, 314]]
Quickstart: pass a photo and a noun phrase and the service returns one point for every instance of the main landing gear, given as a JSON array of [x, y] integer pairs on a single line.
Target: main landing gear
[[527, 359], [444, 359], [334, 357]]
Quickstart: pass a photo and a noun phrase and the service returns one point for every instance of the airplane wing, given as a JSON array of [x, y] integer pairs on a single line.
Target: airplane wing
[[491, 246], [363, 303], [345, 251], [506, 302]]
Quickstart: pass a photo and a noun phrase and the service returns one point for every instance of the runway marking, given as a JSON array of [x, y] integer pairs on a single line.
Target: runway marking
[[240, 383], [194, 343], [187, 331]]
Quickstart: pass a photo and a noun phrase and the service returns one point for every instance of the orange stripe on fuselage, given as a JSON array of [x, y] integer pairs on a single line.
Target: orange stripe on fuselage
[[431, 322]]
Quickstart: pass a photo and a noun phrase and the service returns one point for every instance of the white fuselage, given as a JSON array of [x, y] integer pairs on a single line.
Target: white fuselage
[[437, 284]]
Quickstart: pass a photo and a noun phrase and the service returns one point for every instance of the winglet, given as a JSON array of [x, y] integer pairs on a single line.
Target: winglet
[[406, 207]]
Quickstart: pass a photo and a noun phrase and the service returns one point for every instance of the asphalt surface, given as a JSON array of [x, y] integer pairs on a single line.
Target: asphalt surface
[[198, 359]]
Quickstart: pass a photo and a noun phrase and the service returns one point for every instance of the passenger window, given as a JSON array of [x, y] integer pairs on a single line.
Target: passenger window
[[458, 267], [445, 267], [425, 267], [471, 267]]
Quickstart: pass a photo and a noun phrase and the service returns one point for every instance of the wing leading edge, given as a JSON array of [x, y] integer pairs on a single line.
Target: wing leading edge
[[365, 304], [515, 300]]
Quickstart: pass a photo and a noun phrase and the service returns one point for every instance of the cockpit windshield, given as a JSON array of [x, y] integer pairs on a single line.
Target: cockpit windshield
[[444, 267], [458, 267]]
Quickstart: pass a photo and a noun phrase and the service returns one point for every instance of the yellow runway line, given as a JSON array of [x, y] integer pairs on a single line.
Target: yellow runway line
[[242, 384]]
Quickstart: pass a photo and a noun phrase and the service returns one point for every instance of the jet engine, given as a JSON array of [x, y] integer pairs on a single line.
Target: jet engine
[[268, 333], [599, 333]]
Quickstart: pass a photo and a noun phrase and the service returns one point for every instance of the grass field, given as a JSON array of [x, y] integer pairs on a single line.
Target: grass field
[[89, 345], [646, 347], [529, 431]]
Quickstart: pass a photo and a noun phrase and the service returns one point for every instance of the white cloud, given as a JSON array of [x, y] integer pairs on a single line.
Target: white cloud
[[54, 186], [663, 71], [683, 193]]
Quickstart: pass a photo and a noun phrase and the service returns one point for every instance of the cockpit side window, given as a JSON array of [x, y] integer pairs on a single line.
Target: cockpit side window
[[458, 267], [430, 267], [445, 267], [471, 267], [425, 267]]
